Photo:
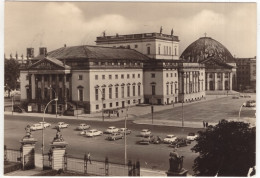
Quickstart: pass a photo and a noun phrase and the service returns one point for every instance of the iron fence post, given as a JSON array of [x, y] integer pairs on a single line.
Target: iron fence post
[[137, 168], [85, 163], [129, 168], [106, 167]]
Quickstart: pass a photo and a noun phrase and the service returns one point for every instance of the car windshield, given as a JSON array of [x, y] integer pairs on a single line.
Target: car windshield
[[191, 134], [170, 136]]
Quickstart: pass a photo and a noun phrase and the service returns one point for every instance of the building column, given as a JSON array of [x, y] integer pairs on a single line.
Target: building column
[[42, 87], [184, 82], [50, 85], [188, 82], [36, 87], [215, 81], [223, 81], [32, 90], [57, 86], [230, 81], [64, 90]]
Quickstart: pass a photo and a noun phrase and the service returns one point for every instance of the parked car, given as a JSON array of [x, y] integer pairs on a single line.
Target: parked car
[[250, 103], [45, 124], [115, 136], [145, 132], [169, 139], [83, 127], [192, 136], [36, 127], [62, 125], [181, 142], [93, 132], [111, 129], [122, 131], [144, 141]]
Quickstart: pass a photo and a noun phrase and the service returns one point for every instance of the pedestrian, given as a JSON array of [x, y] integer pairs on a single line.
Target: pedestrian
[[207, 124], [204, 124], [89, 158]]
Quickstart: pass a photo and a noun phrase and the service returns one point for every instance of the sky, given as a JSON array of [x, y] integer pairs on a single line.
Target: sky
[[53, 24]]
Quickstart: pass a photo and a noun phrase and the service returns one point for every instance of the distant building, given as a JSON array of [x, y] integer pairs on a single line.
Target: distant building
[[246, 73]]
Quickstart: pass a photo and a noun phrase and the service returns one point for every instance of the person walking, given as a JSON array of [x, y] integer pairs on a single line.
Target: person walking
[[89, 158], [207, 124], [204, 124]]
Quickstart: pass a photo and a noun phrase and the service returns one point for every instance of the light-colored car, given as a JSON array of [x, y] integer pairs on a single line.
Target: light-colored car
[[111, 129], [93, 132], [45, 124], [169, 139], [83, 126], [145, 132], [36, 127], [115, 136], [62, 125], [123, 130], [250, 103], [192, 136]]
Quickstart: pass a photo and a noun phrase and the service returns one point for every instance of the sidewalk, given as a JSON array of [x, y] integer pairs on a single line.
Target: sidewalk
[[133, 114]]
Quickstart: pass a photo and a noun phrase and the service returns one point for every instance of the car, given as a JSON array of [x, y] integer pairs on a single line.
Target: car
[[123, 130], [45, 124], [145, 132], [250, 103], [111, 129], [180, 142], [36, 127], [235, 97], [247, 96], [62, 125], [169, 139], [83, 126], [115, 136], [145, 141], [93, 132], [191, 136]]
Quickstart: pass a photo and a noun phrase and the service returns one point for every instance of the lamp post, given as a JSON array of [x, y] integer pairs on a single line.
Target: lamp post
[[126, 115], [56, 99], [240, 111], [56, 108]]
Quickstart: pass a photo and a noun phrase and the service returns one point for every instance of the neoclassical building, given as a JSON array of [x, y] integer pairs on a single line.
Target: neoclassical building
[[220, 66]]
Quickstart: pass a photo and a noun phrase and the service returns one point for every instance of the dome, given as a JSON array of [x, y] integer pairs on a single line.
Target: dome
[[207, 49]]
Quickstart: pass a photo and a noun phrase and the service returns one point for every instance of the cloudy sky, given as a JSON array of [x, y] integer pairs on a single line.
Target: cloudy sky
[[53, 24]]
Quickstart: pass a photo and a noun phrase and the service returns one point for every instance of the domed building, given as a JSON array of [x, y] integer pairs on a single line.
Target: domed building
[[220, 66]]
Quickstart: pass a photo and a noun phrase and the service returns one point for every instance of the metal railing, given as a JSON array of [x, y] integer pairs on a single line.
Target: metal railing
[[12, 155]]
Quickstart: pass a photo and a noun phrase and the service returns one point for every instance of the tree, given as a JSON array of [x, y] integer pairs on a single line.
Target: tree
[[227, 149], [12, 73]]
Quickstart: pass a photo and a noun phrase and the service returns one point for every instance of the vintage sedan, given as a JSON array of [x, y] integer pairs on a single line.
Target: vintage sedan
[[45, 124], [145, 132], [169, 139], [180, 142], [123, 130], [62, 125], [115, 136], [192, 136], [93, 133], [83, 126], [36, 127], [111, 129]]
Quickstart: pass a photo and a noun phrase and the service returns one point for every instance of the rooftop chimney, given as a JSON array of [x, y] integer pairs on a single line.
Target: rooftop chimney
[[30, 53], [43, 51]]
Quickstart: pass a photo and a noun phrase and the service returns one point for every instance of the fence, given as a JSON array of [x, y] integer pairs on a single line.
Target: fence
[[12, 155], [100, 168]]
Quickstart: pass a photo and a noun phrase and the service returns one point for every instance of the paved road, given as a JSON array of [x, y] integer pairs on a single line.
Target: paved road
[[150, 156]]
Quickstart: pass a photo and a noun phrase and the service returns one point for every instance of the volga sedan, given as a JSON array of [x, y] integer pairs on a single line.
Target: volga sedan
[[192, 136], [36, 127], [115, 136], [123, 130], [111, 129], [83, 127], [45, 124], [62, 125], [93, 133], [169, 139], [145, 132]]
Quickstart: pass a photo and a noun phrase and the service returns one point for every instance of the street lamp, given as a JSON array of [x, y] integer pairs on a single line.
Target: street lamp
[[56, 99], [126, 115], [56, 108], [240, 110]]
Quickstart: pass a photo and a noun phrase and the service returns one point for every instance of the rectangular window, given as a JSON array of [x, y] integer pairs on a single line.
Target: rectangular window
[[175, 91], [128, 91], [27, 77], [80, 77], [128, 76], [104, 106], [159, 50], [152, 75], [123, 92], [148, 50], [122, 76], [103, 93], [96, 93], [111, 105], [116, 76], [133, 90], [116, 103], [139, 90], [80, 94], [103, 77], [167, 89], [167, 74], [175, 74], [96, 77], [139, 75], [110, 93], [133, 75], [97, 107], [116, 89], [153, 89], [171, 74], [171, 89], [166, 49], [170, 50], [175, 51], [136, 46], [110, 77], [128, 102]]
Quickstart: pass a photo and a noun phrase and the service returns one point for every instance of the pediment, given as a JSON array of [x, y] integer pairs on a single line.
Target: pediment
[[48, 64]]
